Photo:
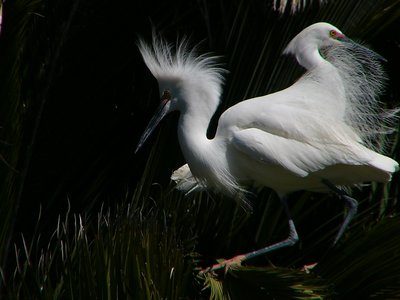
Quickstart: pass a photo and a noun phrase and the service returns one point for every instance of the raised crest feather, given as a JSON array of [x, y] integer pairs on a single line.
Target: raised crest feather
[[180, 62], [315, 135]]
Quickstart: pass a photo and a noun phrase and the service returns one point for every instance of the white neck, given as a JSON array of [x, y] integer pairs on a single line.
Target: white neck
[[192, 134], [327, 80], [310, 58], [199, 151]]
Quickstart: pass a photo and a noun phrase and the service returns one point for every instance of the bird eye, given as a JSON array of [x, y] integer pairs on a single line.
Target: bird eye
[[166, 95], [333, 33]]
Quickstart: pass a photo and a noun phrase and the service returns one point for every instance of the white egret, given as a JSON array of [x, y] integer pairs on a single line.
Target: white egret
[[315, 135]]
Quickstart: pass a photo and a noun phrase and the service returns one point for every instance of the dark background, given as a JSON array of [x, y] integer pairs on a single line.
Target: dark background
[[88, 96]]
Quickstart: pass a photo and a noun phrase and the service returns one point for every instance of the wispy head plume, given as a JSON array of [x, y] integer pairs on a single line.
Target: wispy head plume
[[364, 80], [166, 61]]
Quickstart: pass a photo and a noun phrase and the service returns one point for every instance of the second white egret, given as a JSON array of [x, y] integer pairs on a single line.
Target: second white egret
[[316, 135]]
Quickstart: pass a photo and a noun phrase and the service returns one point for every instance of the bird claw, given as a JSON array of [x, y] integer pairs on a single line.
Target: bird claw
[[225, 264], [308, 268]]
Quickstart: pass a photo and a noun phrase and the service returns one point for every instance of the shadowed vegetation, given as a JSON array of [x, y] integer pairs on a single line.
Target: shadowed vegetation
[[85, 218]]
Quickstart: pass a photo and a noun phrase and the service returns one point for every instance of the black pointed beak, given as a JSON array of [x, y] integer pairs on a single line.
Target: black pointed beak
[[162, 110]]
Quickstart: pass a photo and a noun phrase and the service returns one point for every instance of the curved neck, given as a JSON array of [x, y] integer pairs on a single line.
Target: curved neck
[[326, 83], [192, 133], [310, 58]]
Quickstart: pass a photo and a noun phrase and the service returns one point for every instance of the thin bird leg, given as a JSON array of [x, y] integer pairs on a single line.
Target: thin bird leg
[[292, 239], [351, 204], [237, 260]]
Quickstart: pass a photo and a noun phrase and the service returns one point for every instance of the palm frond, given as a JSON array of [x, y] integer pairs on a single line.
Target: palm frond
[[294, 5], [111, 255], [373, 248], [268, 283], [16, 39], [152, 243]]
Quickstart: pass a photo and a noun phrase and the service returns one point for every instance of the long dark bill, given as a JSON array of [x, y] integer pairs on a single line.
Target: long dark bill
[[158, 116]]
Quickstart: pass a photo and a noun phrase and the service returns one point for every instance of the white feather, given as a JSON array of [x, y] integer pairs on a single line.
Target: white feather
[[364, 80], [319, 128]]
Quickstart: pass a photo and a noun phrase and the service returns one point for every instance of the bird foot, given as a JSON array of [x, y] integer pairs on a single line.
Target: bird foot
[[225, 264], [308, 268]]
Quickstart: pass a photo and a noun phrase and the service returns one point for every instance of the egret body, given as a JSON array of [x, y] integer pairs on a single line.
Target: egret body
[[314, 135]]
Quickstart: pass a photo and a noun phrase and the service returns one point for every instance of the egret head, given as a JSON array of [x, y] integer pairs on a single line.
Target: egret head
[[313, 38], [186, 81], [361, 76]]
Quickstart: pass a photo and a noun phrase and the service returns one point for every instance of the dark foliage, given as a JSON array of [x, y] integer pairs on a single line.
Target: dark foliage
[[74, 99]]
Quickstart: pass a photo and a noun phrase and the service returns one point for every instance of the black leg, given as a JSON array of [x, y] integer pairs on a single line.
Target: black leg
[[292, 239], [351, 204], [289, 241]]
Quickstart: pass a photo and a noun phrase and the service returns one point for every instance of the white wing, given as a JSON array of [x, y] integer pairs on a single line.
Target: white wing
[[298, 157], [302, 135], [288, 114]]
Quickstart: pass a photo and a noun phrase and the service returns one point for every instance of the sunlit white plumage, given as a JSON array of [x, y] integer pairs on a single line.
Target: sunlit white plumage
[[314, 135]]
